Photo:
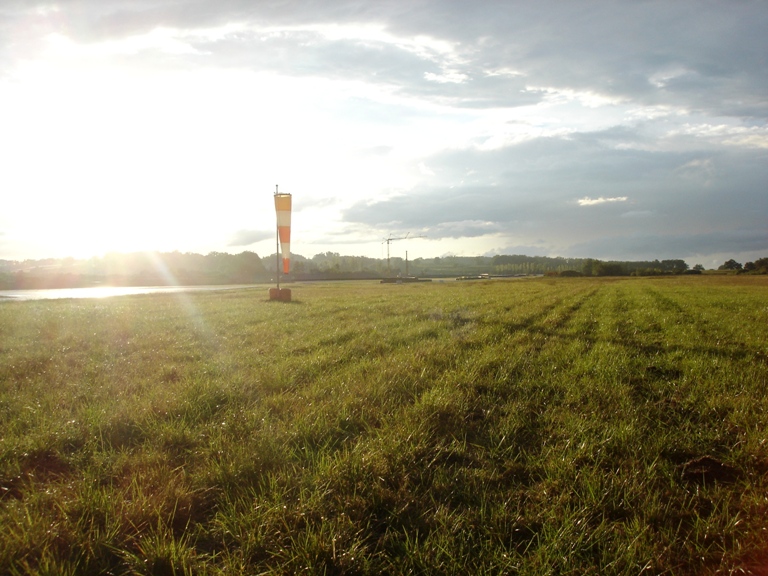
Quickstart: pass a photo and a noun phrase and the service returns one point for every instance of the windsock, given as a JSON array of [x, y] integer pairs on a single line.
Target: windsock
[[283, 209]]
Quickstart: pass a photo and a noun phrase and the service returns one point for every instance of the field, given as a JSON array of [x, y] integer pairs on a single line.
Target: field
[[538, 426]]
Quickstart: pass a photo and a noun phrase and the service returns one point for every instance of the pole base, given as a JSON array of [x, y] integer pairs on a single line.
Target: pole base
[[282, 294]]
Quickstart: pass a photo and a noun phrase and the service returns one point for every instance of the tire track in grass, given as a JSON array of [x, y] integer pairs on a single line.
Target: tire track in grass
[[528, 390], [651, 368], [513, 354], [646, 358], [699, 324], [443, 432], [549, 317], [685, 421], [572, 418], [596, 434], [528, 340]]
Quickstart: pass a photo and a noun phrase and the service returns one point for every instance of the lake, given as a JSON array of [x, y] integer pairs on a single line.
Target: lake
[[106, 291]]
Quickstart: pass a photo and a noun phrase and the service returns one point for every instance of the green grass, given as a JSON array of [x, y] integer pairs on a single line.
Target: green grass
[[549, 426]]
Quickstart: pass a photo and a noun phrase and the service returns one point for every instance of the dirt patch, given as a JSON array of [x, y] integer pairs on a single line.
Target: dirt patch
[[707, 469]]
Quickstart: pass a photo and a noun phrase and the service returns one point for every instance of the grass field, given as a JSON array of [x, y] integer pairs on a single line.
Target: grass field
[[547, 426]]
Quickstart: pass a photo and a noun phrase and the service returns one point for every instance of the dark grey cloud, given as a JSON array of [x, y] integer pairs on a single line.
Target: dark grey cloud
[[709, 57], [642, 246], [684, 197], [680, 55], [309, 53]]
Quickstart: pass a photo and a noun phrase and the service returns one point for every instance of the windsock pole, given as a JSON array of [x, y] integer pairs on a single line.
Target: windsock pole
[[277, 248]]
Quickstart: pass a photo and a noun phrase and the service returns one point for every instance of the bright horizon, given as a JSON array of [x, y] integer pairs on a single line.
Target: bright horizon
[[614, 131]]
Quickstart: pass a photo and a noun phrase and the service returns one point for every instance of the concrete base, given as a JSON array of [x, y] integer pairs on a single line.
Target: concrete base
[[282, 294]]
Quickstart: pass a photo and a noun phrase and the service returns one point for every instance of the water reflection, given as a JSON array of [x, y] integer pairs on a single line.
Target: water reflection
[[105, 291]]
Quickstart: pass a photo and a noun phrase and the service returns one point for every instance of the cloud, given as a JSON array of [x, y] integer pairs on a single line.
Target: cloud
[[526, 191], [310, 202], [248, 237], [382, 150], [540, 249], [641, 246], [587, 201], [463, 229], [677, 54], [638, 214], [481, 120]]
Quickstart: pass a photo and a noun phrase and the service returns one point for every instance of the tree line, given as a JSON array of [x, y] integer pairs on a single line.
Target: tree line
[[135, 269], [330, 263], [759, 266], [176, 268]]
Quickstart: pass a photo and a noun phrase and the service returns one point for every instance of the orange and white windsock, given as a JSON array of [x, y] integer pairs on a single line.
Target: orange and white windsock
[[283, 209]]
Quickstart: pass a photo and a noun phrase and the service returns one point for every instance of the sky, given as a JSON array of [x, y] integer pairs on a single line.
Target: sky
[[617, 130]]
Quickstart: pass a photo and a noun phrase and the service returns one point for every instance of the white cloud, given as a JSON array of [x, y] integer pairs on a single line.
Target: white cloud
[[587, 98], [447, 77], [587, 201], [726, 133], [424, 169], [662, 78]]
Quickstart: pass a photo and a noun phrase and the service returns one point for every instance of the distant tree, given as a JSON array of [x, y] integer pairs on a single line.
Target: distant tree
[[730, 265], [648, 272], [6, 281], [759, 266], [698, 267], [610, 269], [589, 267], [674, 266], [247, 267]]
